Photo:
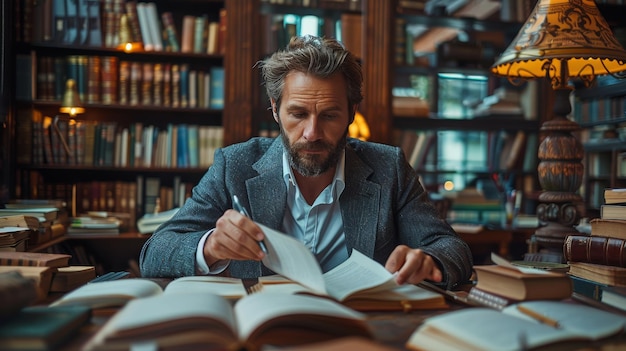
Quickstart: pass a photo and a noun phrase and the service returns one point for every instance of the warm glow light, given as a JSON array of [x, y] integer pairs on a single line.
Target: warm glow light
[[131, 47], [562, 39], [448, 185]]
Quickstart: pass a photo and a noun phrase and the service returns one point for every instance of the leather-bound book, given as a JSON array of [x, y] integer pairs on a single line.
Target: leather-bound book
[[595, 249]]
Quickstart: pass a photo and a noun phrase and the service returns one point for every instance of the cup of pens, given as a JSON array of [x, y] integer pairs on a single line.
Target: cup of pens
[[509, 208]]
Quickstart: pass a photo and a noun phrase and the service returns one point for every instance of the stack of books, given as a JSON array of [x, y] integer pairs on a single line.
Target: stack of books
[[598, 261], [88, 225], [51, 272], [13, 238], [504, 283], [46, 219]]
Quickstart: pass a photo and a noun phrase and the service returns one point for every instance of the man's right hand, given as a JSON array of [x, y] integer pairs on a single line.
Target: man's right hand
[[235, 237]]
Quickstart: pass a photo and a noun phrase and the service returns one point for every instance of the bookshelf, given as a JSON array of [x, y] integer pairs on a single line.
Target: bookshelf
[[601, 112], [151, 113], [447, 76]]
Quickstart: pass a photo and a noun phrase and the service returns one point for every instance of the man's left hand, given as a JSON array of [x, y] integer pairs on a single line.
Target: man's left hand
[[412, 265]]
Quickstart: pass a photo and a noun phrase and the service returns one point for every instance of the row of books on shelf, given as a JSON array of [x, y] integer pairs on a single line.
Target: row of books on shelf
[[125, 201], [111, 144], [110, 81], [600, 109], [597, 260], [352, 5], [113, 23], [347, 28]]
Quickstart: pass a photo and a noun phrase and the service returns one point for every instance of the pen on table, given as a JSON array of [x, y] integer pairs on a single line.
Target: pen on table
[[239, 208], [538, 316]]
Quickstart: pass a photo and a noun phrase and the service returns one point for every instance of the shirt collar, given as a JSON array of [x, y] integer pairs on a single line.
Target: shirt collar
[[339, 180]]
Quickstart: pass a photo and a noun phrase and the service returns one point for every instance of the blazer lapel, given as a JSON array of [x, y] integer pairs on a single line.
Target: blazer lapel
[[267, 191], [359, 205]]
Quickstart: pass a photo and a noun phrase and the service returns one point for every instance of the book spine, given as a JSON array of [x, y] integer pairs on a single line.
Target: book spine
[[217, 88], [170, 29], [146, 84], [124, 82], [154, 26], [93, 79], [133, 20], [109, 79], [187, 40], [142, 15], [157, 91], [595, 249]]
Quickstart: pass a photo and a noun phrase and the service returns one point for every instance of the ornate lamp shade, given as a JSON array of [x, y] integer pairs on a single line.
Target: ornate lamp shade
[[560, 41]]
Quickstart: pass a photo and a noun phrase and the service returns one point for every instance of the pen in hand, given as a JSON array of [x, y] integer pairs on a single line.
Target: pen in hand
[[239, 208]]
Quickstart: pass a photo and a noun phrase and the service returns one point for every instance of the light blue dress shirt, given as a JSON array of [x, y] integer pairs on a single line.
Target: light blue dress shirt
[[318, 226]]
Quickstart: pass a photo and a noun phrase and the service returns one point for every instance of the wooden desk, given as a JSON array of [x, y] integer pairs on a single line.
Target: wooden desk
[[506, 242]]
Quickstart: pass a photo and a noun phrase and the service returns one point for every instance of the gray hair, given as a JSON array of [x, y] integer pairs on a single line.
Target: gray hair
[[321, 57]]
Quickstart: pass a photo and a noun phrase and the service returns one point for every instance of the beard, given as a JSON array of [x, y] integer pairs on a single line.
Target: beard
[[313, 165]]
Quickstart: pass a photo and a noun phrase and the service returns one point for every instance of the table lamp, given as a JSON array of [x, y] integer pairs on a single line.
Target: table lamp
[[562, 41], [72, 106]]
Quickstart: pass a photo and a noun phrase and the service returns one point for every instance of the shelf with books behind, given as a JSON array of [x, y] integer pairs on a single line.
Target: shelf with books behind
[[113, 137], [501, 146], [114, 78], [133, 192], [339, 19], [441, 86], [601, 112]]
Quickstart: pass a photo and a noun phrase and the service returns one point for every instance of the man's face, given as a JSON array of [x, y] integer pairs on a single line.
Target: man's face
[[314, 119]]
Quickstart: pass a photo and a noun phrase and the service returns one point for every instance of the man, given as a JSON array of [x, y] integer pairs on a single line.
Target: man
[[330, 192]]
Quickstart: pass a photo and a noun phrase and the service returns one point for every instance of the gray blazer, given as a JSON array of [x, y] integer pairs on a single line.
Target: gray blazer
[[383, 205]]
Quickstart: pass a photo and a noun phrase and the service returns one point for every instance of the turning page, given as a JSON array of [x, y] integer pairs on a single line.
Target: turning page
[[358, 273], [290, 258]]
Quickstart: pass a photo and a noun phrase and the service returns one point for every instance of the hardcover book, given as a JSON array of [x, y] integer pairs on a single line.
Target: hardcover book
[[35, 259], [523, 326], [613, 211], [16, 292], [42, 327], [595, 249], [41, 275], [615, 196], [201, 321], [609, 275], [613, 228], [522, 283]]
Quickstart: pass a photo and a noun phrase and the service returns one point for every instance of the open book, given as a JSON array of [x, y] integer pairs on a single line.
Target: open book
[[536, 324], [359, 282], [199, 321]]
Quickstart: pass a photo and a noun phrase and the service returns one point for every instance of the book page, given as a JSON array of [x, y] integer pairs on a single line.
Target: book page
[[230, 288], [165, 315], [110, 293], [358, 273], [290, 258], [459, 330], [254, 310], [580, 319], [500, 261]]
